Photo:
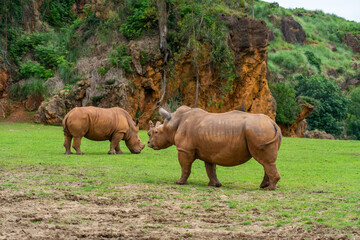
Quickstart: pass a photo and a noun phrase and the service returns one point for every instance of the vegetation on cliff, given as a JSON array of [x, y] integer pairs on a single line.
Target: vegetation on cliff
[[321, 47]]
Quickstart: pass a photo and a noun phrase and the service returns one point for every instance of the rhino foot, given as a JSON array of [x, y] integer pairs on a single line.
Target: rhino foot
[[181, 182], [270, 188], [215, 184]]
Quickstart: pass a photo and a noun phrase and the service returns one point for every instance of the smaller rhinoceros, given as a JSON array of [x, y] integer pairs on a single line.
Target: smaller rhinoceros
[[100, 124], [225, 139]]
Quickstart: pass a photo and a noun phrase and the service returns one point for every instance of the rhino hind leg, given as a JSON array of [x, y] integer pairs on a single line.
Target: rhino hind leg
[[114, 143], [67, 144], [211, 172], [266, 182], [76, 145], [185, 159], [273, 174]]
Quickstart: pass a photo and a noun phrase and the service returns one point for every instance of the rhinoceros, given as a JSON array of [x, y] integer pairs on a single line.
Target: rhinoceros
[[225, 139], [100, 124]]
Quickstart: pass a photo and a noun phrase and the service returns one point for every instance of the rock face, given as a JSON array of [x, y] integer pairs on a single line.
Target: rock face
[[352, 41], [318, 135], [139, 92], [298, 128], [4, 82], [292, 31], [248, 40]]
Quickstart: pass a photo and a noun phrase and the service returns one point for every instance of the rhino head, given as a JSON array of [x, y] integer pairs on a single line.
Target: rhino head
[[161, 135], [133, 141]]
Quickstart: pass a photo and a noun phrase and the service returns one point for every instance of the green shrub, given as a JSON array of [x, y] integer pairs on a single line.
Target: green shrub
[[119, 57], [33, 86], [287, 107], [57, 13], [313, 60], [50, 56], [353, 118], [142, 16], [21, 43], [332, 112], [34, 69]]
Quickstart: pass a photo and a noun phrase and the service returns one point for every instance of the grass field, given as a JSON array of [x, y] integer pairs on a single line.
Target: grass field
[[319, 189]]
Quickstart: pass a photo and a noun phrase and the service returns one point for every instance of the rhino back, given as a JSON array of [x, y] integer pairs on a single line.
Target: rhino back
[[223, 138], [216, 138], [96, 123]]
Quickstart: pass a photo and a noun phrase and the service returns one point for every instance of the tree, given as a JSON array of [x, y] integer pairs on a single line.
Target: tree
[[353, 118], [287, 107], [163, 16], [332, 110]]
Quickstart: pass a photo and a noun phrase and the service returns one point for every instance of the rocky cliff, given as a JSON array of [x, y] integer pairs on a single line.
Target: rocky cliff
[[139, 92]]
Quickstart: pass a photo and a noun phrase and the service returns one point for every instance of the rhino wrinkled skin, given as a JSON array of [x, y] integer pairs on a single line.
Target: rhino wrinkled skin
[[225, 139], [100, 124]]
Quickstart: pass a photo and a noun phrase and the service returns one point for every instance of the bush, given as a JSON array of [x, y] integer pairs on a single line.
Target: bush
[[143, 16], [50, 56], [57, 12], [330, 115], [119, 57], [313, 60], [33, 86], [353, 119], [287, 107], [34, 69]]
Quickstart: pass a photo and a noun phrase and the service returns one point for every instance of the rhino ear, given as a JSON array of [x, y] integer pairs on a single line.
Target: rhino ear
[[158, 123], [165, 114], [151, 124]]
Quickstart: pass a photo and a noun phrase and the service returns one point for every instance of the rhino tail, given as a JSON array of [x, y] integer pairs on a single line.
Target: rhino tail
[[277, 136], [65, 128]]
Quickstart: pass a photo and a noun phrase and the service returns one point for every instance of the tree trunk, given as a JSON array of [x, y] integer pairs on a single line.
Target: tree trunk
[[253, 4], [6, 26], [163, 16]]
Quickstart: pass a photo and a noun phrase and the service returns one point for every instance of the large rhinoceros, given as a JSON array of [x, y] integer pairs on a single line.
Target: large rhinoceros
[[99, 124], [225, 139]]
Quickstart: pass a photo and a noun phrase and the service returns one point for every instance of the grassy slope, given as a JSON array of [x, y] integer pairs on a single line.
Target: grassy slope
[[319, 185], [322, 30]]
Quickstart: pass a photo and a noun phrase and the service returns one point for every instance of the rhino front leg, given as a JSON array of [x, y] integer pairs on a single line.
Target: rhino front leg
[[114, 145], [211, 172], [67, 144], [118, 150], [76, 145], [185, 160]]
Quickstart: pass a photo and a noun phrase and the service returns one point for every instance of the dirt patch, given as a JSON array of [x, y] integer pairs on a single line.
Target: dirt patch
[[19, 115], [135, 211]]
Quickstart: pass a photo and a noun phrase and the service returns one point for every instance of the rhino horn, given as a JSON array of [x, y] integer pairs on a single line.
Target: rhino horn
[[151, 124], [165, 114]]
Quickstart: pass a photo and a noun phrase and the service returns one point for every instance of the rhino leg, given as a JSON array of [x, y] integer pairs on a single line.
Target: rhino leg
[[266, 182], [76, 145], [211, 172], [114, 145], [67, 144], [185, 159], [118, 150], [273, 175]]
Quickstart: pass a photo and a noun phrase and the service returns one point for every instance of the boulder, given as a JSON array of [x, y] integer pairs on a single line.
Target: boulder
[[353, 41], [292, 31], [318, 135]]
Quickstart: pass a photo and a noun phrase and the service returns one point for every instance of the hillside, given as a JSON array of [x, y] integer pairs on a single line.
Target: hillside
[[210, 54]]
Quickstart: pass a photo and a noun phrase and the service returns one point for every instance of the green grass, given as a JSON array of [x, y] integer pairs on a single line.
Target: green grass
[[319, 185]]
